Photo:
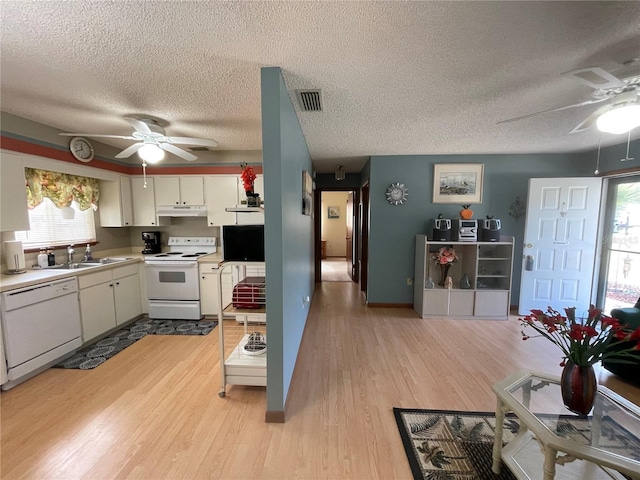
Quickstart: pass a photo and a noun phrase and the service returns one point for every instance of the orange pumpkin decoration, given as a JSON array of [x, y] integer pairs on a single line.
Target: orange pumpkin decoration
[[466, 213]]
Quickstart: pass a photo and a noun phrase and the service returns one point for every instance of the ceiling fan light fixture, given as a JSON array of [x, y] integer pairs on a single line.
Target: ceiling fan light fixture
[[620, 119], [151, 153], [340, 173]]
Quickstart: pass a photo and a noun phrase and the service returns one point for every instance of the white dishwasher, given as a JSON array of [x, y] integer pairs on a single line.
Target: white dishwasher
[[40, 325]]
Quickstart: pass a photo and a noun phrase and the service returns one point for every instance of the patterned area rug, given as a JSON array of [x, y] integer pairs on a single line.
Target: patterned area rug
[[97, 353], [444, 444]]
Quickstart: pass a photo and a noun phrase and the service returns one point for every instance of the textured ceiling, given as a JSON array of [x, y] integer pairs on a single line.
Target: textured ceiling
[[396, 77]]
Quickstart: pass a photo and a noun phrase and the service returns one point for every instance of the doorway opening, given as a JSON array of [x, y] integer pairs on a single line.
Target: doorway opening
[[621, 249], [337, 250]]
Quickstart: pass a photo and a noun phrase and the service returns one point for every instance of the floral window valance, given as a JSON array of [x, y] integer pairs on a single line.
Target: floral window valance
[[61, 189]]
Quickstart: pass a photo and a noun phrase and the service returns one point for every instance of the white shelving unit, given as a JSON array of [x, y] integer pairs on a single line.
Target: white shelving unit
[[239, 368], [488, 265]]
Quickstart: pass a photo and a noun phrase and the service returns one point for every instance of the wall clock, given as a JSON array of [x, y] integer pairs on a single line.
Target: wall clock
[[397, 193], [81, 149]]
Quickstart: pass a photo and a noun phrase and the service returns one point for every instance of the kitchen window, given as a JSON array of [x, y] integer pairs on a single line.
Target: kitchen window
[[60, 209], [48, 228]]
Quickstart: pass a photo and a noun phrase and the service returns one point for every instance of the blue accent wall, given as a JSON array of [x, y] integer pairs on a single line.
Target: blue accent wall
[[393, 228], [288, 234], [610, 157]]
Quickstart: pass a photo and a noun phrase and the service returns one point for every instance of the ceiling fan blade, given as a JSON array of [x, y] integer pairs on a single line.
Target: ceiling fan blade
[[127, 152], [595, 77], [582, 104], [588, 122], [178, 151], [205, 142], [96, 135], [138, 125]]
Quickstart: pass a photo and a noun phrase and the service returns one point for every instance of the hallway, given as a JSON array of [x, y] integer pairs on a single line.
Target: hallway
[[334, 269]]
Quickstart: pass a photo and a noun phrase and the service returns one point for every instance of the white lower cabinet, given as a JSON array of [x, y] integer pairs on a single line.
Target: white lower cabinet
[[209, 292], [109, 298], [3, 363]]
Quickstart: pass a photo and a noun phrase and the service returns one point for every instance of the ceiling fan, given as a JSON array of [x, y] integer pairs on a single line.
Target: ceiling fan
[[151, 141], [619, 115]]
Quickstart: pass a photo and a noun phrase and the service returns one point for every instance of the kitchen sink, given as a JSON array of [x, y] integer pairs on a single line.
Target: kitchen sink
[[74, 266], [104, 261], [96, 262]]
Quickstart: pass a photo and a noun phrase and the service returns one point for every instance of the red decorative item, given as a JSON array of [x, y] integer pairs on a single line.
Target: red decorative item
[[578, 386], [247, 176], [249, 293]]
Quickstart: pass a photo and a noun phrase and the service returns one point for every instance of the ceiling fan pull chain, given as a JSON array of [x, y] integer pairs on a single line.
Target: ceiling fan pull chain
[[597, 171], [144, 174], [626, 158]]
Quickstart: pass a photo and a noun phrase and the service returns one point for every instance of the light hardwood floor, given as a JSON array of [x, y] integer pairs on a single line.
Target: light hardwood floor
[[152, 411]]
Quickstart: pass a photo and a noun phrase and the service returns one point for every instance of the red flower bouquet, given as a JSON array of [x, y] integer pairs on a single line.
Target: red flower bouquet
[[248, 176], [584, 341]]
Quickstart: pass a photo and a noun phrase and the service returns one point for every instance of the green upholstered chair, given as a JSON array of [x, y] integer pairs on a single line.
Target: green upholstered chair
[[630, 372]]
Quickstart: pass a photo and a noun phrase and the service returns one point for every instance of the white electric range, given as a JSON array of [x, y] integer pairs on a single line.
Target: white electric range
[[172, 278]]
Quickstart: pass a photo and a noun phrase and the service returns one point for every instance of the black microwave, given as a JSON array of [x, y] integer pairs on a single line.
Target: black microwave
[[243, 243]]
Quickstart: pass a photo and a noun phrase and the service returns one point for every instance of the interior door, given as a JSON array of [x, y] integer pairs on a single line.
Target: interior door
[[351, 268], [560, 243]]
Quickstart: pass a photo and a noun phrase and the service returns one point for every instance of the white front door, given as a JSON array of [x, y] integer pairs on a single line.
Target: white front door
[[560, 243]]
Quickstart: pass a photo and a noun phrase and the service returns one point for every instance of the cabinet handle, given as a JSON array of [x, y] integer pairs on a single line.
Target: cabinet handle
[[177, 203], [117, 283], [111, 284]]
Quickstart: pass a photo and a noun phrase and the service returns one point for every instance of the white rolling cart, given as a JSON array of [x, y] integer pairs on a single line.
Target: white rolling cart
[[240, 367]]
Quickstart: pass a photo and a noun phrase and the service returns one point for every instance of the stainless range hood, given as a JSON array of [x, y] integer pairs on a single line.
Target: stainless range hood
[[181, 211]]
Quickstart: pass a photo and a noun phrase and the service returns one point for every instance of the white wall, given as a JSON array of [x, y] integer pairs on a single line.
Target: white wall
[[334, 230]]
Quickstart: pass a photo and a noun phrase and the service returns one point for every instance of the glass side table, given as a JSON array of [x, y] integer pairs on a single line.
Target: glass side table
[[599, 445]]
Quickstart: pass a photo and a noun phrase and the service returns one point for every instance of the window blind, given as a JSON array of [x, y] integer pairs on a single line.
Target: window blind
[[48, 228]]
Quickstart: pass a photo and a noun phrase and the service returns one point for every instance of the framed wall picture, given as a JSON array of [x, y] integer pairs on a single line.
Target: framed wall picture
[[307, 193], [457, 182], [333, 212]]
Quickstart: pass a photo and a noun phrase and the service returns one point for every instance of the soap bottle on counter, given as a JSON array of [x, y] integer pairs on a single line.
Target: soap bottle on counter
[[87, 253], [51, 258], [43, 260]]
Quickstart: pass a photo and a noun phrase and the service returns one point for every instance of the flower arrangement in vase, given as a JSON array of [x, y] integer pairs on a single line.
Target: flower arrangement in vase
[[247, 175], [444, 257], [583, 343]]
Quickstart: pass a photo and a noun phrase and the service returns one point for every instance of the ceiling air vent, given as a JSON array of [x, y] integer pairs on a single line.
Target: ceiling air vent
[[309, 100], [199, 149]]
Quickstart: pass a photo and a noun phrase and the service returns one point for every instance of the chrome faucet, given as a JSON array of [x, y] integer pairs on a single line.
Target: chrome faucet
[[70, 252]]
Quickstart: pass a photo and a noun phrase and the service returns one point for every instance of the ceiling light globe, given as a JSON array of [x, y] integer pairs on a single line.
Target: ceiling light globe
[[151, 153], [620, 119]]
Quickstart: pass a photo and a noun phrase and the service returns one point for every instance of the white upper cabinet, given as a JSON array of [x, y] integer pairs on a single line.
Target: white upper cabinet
[[115, 205], [144, 207], [186, 190], [14, 215], [220, 191]]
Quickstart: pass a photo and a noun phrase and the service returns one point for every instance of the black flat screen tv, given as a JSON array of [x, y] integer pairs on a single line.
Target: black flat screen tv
[[243, 243]]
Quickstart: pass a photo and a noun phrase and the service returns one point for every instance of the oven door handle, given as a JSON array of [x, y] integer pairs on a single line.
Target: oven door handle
[[171, 264]]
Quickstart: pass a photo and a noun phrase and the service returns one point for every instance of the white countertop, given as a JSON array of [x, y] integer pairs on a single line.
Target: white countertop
[[35, 276]]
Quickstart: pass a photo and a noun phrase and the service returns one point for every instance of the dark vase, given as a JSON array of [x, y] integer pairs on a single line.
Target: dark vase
[[444, 271], [253, 199], [578, 385]]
